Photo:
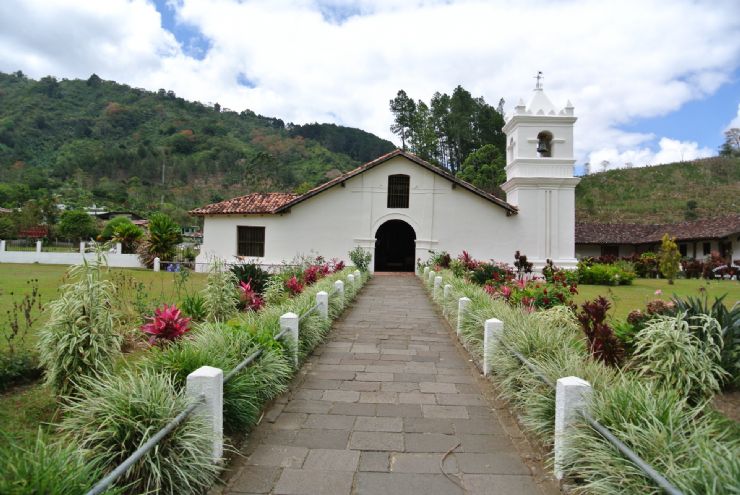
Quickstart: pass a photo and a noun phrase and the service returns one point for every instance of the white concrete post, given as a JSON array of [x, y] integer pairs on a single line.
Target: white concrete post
[[492, 331], [2, 246], [339, 287], [209, 381], [38, 246], [571, 396], [462, 305], [437, 286], [358, 276], [351, 280], [430, 276], [82, 247], [290, 321], [322, 299], [445, 296], [156, 264], [119, 248], [426, 271]]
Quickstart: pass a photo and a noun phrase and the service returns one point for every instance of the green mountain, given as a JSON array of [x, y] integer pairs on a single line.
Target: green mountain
[[93, 141], [675, 192]]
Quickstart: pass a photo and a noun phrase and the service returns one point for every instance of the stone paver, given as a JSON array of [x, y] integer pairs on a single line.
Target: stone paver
[[382, 402]]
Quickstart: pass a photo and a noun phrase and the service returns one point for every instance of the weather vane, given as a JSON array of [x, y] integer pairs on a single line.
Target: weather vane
[[539, 78]]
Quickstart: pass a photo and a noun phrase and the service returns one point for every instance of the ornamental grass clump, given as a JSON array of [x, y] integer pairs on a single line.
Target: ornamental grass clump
[[669, 352], [113, 415], [167, 325], [690, 447], [225, 346], [46, 466], [80, 338], [220, 296]]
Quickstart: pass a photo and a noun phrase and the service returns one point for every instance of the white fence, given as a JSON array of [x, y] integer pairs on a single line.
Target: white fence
[[115, 257]]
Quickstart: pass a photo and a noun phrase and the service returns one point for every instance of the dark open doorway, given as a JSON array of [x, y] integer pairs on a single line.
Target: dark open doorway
[[395, 247]]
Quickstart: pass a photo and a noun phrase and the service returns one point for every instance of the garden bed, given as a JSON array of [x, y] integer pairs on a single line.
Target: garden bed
[[676, 432]]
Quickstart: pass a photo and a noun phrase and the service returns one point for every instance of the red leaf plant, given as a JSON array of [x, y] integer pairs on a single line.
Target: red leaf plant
[[249, 297], [603, 344], [167, 325], [311, 274], [338, 265], [468, 261], [294, 286]]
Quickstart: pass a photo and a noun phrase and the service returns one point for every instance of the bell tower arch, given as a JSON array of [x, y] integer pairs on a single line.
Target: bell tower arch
[[539, 175]]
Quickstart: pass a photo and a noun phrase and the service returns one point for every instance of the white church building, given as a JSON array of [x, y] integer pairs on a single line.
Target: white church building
[[399, 207]]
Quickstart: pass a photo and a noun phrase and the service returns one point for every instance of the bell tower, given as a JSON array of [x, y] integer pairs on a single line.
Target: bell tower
[[539, 177]]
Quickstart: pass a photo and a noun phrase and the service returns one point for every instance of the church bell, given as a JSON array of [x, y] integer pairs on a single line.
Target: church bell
[[542, 146]]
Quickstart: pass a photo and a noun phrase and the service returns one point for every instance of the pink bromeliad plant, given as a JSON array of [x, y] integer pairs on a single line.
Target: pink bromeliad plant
[[294, 286], [167, 325], [249, 297]]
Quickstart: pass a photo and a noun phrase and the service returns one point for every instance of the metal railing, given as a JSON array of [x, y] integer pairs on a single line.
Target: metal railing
[[121, 469]]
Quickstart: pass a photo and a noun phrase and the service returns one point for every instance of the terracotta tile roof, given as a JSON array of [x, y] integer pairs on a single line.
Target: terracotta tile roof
[[251, 203], [284, 201], [625, 233]]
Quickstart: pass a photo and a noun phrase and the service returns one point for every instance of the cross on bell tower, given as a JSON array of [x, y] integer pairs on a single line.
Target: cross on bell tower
[[539, 78]]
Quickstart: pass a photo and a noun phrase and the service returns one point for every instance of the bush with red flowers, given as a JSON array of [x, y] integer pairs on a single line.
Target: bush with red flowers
[[249, 297]]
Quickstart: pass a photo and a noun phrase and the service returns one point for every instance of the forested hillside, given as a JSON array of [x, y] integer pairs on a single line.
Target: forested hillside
[[665, 193], [80, 142]]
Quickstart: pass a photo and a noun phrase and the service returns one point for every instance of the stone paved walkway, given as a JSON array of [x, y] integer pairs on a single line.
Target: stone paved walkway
[[381, 403]]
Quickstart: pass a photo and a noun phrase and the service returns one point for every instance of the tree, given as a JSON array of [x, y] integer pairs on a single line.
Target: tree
[[77, 225], [8, 229], [160, 242], [484, 168], [669, 258], [731, 146], [123, 230], [403, 109], [690, 211]]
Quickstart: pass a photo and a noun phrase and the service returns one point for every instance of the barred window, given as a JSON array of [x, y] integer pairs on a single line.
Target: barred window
[[398, 191], [250, 241]]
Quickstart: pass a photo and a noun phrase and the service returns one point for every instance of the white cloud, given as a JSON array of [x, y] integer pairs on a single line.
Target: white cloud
[[669, 150], [314, 60], [735, 123]]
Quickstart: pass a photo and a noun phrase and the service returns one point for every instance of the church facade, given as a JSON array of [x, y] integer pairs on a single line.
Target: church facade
[[399, 207]]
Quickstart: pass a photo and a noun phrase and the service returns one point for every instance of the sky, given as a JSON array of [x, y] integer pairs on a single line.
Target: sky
[[652, 81]]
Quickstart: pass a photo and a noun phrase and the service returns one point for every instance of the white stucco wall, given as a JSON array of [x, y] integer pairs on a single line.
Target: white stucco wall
[[443, 217], [52, 258]]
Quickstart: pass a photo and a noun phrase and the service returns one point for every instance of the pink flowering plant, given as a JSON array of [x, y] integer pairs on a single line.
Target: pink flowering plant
[[249, 297], [167, 325]]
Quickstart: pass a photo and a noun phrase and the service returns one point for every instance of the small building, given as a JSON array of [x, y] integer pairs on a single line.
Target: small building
[[399, 207], [695, 239]]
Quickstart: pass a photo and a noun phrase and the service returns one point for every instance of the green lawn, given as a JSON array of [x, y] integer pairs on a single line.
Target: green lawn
[[156, 288], [35, 403], [626, 298]]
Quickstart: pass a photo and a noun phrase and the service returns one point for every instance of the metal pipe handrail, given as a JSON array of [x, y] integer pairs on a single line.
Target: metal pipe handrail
[[105, 483], [630, 454]]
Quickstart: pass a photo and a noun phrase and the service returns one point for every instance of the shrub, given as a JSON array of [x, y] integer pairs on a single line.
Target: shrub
[[467, 261], [491, 273], [77, 225], [115, 414], [161, 240], [294, 286], [646, 265], [8, 229], [669, 258], [360, 258], [167, 325], [193, 305], [224, 346], [80, 338], [275, 291], [669, 352], [602, 343], [440, 260], [311, 274], [249, 298], [522, 265], [729, 321], [252, 274], [45, 467], [220, 296], [604, 274]]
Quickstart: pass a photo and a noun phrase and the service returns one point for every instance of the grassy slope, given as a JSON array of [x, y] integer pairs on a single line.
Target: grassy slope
[[626, 298], [659, 194]]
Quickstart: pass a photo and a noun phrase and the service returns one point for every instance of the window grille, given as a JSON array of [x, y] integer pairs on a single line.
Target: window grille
[[250, 241], [398, 191]]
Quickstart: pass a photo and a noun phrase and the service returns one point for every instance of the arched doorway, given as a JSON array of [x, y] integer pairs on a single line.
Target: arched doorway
[[395, 247]]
